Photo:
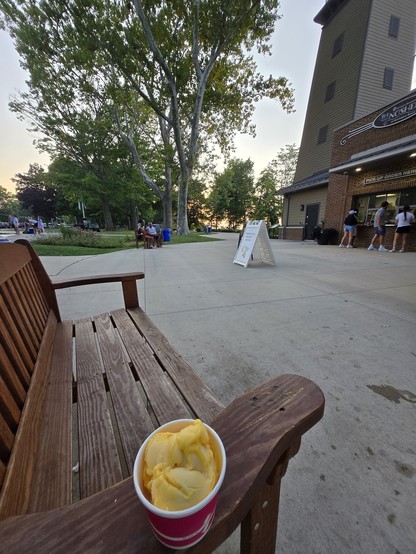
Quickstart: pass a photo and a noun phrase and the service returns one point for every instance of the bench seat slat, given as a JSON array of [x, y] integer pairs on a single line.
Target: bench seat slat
[[163, 396], [197, 394], [99, 465], [133, 421]]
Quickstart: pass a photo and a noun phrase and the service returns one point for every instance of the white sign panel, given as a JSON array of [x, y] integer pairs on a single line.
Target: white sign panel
[[255, 235]]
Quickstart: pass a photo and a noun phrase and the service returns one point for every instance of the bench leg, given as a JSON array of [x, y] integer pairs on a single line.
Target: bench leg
[[259, 527]]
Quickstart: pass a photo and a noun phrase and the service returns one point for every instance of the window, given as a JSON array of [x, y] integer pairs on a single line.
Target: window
[[338, 45], [323, 133], [388, 78], [367, 206], [394, 26], [330, 91]]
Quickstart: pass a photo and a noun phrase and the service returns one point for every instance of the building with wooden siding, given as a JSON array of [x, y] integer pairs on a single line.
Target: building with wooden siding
[[374, 160], [365, 61]]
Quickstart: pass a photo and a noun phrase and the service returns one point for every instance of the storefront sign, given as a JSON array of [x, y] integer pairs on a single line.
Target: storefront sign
[[390, 176], [396, 114], [391, 116]]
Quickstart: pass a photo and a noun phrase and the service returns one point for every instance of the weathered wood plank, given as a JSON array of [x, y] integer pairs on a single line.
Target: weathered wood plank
[[9, 407], [53, 474], [27, 291], [19, 299], [41, 276], [22, 319], [256, 433], [133, 421], [99, 465], [17, 493], [11, 380], [13, 355], [12, 339], [163, 396], [197, 394], [6, 440]]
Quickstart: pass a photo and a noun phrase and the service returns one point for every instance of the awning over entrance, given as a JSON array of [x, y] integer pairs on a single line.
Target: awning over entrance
[[398, 150], [315, 180]]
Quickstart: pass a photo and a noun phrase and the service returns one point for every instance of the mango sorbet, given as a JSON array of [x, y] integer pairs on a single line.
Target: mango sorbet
[[179, 468]]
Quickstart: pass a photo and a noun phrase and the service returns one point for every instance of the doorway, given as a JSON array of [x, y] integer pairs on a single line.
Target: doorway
[[311, 220]]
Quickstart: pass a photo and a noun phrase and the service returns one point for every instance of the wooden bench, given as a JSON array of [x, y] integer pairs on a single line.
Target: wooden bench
[[85, 394]]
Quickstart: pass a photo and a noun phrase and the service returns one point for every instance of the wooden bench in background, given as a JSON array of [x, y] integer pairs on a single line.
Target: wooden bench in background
[[85, 394]]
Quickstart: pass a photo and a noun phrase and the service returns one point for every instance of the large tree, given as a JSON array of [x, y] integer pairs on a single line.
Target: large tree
[[188, 60], [232, 193], [8, 203], [34, 194], [279, 173]]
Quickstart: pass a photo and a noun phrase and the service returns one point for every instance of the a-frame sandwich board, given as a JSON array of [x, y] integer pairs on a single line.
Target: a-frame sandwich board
[[255, 235]]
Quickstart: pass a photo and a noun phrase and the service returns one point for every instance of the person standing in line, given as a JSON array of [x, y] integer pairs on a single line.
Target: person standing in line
[[15, 223], [380, 227], [350, 228], [404, 220]]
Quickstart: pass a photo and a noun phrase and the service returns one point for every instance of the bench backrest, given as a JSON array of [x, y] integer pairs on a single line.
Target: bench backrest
[[24, 314]]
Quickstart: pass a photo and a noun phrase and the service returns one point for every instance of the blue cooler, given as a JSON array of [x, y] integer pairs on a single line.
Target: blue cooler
[[166, 235]]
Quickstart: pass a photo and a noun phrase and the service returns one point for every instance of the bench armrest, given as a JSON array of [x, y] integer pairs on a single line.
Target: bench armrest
[[128, 281], [261, 431]]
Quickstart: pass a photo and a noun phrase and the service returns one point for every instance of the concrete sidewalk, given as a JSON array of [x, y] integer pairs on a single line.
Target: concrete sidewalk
[[344, 318]]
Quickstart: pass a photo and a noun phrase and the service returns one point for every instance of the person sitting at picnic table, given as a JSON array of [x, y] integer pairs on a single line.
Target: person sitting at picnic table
[[151, 232], [140, 232]]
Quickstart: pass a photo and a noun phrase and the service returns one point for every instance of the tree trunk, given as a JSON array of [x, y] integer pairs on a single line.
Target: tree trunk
[[108, 218], [167, 208], [182, 227]]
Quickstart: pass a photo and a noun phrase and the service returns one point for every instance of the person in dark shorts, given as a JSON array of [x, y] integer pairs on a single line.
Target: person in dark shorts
[[404, 220], [380, 228]]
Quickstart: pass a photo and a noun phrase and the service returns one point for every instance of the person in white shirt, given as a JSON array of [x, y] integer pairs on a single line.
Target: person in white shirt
[[15, 223], [404, 221]]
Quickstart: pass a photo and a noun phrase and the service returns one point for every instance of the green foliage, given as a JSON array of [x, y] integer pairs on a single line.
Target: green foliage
[[8, 203], [279, 173], [72, 236], [232, 193], [34, 194], [188, 61]]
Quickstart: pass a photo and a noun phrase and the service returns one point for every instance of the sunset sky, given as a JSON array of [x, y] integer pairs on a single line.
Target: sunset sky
[[295, 45]]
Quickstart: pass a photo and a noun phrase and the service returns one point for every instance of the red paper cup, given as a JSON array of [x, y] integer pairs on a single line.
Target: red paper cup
[[184, 528]]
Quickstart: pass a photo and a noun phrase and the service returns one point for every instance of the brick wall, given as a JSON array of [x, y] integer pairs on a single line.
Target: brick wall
[[342, 188]]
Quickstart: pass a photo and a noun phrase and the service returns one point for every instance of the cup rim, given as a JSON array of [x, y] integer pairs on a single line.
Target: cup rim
[[171, 514]]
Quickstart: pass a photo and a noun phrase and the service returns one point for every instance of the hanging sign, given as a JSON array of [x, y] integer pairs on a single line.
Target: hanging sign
[[255, 235]]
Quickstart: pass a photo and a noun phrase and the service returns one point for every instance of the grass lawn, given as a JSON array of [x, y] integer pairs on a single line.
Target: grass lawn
[[73, 250]]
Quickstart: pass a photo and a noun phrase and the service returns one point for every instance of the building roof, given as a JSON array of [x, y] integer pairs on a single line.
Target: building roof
[[330, 9], [313, 181]]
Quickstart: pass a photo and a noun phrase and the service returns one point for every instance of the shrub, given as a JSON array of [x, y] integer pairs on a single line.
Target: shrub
[[73, 236]]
